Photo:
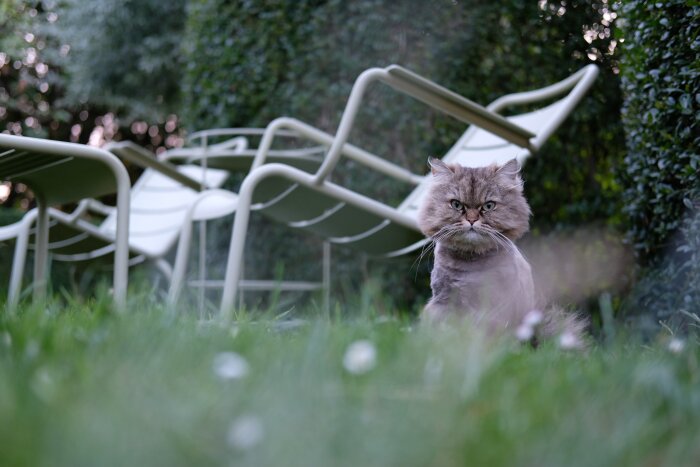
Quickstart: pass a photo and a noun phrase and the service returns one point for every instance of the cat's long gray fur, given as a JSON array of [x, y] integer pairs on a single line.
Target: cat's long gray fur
[[473, 216]]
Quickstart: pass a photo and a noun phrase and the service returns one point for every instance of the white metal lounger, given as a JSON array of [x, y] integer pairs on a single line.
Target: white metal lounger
[[236, 154], [161, 201], [56, 172], [313, 203]]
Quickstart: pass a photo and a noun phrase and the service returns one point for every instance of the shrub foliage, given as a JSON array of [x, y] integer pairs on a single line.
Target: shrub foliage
[[123, 54], [661, 82]]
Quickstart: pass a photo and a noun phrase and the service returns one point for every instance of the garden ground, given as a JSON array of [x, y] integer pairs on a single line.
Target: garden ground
[[80, 385]]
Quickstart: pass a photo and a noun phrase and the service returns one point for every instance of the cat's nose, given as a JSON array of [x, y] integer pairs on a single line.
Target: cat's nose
[[472, 215]]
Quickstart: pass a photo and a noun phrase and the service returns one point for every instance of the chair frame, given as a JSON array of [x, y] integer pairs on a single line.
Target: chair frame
[[420, 88], [201, 151], [52, 159], [137, 155]]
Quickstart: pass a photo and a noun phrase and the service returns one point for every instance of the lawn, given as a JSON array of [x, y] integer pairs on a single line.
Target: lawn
[[80, 385]]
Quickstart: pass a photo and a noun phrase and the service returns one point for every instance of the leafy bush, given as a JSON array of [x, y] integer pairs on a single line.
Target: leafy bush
[[123, 54], [661, 82]]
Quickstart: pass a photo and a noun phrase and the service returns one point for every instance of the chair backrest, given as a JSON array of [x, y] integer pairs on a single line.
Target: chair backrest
[[478, 147], [159, 205]]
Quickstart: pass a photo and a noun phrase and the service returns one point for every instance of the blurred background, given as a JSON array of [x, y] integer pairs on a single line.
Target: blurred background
[[615, 193]]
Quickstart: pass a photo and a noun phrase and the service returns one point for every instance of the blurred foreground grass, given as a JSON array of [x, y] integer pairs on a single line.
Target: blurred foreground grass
[[82, 386]]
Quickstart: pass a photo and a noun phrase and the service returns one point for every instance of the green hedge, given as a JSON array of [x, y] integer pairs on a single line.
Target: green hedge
[[124, 55], [661, 82], [248, 63]]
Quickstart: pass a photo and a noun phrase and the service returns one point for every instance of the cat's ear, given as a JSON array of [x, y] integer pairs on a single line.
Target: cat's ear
[[437, 167], [510, 169]]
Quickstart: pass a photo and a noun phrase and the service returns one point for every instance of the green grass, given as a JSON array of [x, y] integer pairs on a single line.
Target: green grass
[[82, 386]]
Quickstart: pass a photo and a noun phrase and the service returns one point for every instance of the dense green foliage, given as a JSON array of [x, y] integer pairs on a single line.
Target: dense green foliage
[[79, 383], [123, 54], [661, 82], [30, 83]]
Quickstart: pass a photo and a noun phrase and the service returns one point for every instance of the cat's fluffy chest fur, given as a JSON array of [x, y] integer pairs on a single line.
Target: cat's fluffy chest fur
[[496, 288]]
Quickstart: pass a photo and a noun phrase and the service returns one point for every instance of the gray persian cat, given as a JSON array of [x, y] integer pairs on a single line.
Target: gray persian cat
[[474, 215]]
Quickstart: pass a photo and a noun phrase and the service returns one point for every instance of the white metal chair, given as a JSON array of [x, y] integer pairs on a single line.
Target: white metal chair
[[56, 171], [165, 204], [311, 202], [162, 200], [234, 149], [231, 149]]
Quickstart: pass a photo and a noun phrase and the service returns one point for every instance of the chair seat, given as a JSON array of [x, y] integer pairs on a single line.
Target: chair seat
[[242, 161]]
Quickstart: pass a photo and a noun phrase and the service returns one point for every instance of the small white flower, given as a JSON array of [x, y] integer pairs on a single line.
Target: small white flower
[[533, 318], [432, 371], [245, 432], [524, 332], [676, 345], [360, 357], [7, 339], [44, 384], [569, 341], [230, 365], [32, 349]]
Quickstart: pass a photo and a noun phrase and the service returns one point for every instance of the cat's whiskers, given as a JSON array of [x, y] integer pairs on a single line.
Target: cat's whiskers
[[424, 251], [443, 233], [498, 238], [430, 245]]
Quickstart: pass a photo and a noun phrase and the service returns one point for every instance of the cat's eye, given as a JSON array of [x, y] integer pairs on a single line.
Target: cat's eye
[[456, 205], [488, 206]]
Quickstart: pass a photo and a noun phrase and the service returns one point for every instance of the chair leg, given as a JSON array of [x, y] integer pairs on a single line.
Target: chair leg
[[235, 254], [326, 277], [202, 266], [180, 268], [19, 260], [41, 254], [164, 268], [121, 249]]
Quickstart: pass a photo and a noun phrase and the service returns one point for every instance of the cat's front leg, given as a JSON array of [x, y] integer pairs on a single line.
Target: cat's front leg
[[435, 312]]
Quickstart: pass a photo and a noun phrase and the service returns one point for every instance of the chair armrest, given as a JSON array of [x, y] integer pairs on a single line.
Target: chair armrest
[[213, 204], [427, 92], [137, 155], [283, 124], [95, 206], [11, 231], [232, 133], [458, 106]]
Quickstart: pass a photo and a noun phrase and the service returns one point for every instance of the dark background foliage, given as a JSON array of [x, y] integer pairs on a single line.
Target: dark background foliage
[[124, 54], [661, 83]]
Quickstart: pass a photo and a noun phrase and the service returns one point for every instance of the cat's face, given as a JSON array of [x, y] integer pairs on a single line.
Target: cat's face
[[475, 210]]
